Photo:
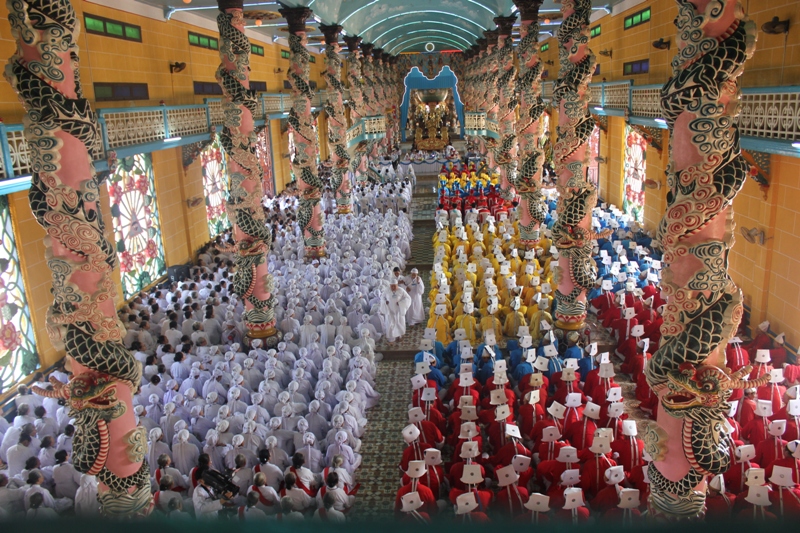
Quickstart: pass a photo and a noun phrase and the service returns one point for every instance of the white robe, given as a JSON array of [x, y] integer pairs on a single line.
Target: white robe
[[416, 311], [393, 308]]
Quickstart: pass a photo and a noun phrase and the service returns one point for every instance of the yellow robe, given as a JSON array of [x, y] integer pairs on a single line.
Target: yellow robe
[[536, 323], [514, 319], [491, 322], [442, 329], [467, 323]]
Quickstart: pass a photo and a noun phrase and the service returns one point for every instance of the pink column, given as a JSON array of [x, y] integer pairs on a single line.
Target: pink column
[[252, 283], [62, 131], [704, 307], [506, 152]]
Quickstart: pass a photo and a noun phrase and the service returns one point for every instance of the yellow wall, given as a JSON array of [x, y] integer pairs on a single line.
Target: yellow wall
[[764, 70]]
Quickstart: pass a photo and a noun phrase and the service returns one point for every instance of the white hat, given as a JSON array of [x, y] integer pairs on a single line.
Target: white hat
[[430, 333], [758, 495], [429, 394], [500, 376], [573, 399], [567, 454], [592, 410], [422, 368], [415, 415], [521, 463], [600, 445], [541, 363], [568, 374], [628, 499], [777, 428], [717, 483], [506, 476], [534, 396], [466, 380], [551, 434], [498, 397], [637, 331], [570, 477], [410, 433], [764, 326], [755, 476], [469, 450], [469, 413], [615, 409], [629, 428], [433, 457], [776, 375], [763, 408], [573, 498], [512, 430], [466, 503], [614, 475], [502, 412], [793, 407], [782, 476], [538, 503], [606, 370], [471, 475], [425, 345], [416, 469], [762, 356], [614, 394], [780, 338], [411, 502], [418, 381], [468, 430], [746, 452], [557, 410]]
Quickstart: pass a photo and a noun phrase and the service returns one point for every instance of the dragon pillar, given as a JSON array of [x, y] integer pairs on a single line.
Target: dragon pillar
[[337, 124], [304, 166], [506, 151], [252, 282], [706, 171], [572, 235], [531, 106], [62, 133]]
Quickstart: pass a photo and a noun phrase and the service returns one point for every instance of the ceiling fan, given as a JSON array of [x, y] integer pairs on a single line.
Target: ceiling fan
[[753, 236]]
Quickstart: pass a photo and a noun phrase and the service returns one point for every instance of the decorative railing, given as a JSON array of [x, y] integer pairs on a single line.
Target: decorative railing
[[366, 129], [769, 121]]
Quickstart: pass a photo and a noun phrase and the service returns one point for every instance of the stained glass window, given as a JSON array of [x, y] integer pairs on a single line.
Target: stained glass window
[[215, 186], [635, 174], [137, 228], [593, 174], [264, 153], [18, 356]]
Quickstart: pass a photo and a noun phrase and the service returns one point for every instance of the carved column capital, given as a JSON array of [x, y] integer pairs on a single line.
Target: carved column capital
[[491, 37], [331, 33], [353, 42], [482, 44], [366, 49], [528, 9], [224, 5], [296, 17], [505, 24]]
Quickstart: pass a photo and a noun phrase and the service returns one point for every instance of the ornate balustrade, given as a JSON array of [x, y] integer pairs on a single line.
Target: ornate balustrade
[[769, 122], [366, 129]]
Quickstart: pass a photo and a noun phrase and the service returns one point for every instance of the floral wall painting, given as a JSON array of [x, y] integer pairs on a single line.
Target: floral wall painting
[[137, 228], [635, 172], [215, 187], [18, 356]]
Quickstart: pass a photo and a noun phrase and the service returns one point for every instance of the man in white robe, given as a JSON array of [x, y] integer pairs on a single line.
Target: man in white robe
[[393, 307], [415, 289]]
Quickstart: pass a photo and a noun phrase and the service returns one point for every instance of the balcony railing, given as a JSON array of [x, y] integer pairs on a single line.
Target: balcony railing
[[769, 121], [366, 129]]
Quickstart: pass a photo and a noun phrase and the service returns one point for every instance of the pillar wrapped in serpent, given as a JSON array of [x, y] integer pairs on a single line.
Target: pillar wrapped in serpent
[[506, 150], [337, 124], [532, 211], [61, 131], [304, 166], [706, 171], [252, 282], [358, 108], [572, 234], [368, 77]]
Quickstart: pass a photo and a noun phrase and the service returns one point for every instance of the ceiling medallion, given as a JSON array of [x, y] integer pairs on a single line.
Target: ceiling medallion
[[429, 47]]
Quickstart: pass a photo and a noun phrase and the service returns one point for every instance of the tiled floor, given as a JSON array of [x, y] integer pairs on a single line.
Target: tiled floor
[[382, 445]]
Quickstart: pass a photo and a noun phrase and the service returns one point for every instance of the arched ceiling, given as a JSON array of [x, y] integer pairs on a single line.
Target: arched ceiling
[[395, 25]]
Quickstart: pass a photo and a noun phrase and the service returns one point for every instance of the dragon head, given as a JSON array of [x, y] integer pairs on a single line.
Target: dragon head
[[89, 391], [706, 387]]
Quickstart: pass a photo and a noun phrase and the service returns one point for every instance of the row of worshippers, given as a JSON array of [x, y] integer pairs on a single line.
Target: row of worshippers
[[206, 402], [481, 281]]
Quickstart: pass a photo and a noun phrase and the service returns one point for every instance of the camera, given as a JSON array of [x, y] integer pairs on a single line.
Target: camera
[[220, 483]]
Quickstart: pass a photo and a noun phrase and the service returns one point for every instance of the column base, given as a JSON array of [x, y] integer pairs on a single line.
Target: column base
[[570, 323]]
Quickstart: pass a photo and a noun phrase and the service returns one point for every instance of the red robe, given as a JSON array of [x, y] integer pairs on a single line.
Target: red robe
[[756, 430], [606, 499], [455, 471], [425, 495], [507, 453], [414, 452], [773, 392], [592, 474], [509, 500], [566, 515], [769, 450], [719, 507], [761, 342], [630, 450], [736, 476], [581, 433], [529, 414], [432, 479], [786, 462], [785, 501]]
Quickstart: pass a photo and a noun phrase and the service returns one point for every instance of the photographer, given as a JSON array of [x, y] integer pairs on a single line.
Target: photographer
[[207, 503]]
